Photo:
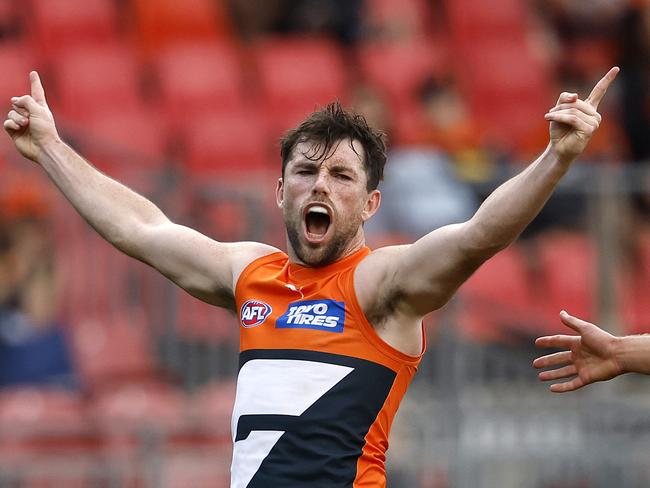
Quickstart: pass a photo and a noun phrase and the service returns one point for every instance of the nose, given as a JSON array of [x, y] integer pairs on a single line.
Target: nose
[[321, 184]]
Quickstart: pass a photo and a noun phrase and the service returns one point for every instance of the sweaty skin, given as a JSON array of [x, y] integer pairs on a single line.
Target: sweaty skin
[[395, 286]]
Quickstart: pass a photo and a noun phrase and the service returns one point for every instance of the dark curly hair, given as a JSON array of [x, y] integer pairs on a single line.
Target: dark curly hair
[[327, 127]]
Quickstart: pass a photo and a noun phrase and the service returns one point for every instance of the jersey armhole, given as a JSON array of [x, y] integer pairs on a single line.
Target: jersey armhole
[[253, 265], [371, 334]]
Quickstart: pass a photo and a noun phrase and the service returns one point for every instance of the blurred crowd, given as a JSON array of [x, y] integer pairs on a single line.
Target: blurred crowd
[[185, 102], [162, 93]]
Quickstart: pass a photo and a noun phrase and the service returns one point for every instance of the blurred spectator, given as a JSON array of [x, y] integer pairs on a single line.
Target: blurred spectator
[[421, 193], [447, 124], [336, 18], [33, 348], [421, 189], [594, 36], [367, 100], [634, 59]]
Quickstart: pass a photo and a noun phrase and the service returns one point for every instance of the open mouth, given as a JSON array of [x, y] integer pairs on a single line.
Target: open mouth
[[317, 222]]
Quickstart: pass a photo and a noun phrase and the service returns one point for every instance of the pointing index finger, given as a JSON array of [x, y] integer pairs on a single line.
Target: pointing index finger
[[601, 87], [38, 94]]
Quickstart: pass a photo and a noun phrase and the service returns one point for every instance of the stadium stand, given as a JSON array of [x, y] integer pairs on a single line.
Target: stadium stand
[[97, 79], [198, 75], [159, 23], [57, 26], [167, 97], [297, 75]]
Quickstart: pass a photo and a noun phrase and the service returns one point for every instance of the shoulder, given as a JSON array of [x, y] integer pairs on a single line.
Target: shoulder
[[380, 262], [242, 254], [375, 274]]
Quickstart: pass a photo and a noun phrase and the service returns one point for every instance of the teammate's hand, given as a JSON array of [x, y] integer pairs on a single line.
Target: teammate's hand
[[29, 122], [590, 356], [574, 121]]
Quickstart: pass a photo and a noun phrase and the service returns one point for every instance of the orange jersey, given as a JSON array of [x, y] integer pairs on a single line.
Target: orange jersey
[[317, 388]]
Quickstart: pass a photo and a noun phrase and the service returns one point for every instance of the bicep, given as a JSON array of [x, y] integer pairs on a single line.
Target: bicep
[[203, 267], [428, 272]]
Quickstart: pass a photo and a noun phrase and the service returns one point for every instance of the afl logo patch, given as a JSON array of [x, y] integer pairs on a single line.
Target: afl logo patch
[[254, 313]]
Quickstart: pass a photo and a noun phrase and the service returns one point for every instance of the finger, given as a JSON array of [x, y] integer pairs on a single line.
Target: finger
[[21, 111], [601, 87], [38, 93], [19, 119], [580, 105], [574, 322], [26, 102], [570, 120], [554, 359], [10, 125], [556, 374], [559, 341], [567, 97], [567, 386], [588, 119]]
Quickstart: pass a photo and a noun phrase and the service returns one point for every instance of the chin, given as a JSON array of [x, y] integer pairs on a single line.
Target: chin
[[317, 257], [322, 254]]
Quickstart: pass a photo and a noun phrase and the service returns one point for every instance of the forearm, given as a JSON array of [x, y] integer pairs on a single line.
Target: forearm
[[514, 204], [113, 210], [633, 353]]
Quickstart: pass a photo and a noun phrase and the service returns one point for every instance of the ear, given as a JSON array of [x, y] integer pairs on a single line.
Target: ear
[[279, 193], [372, 205]]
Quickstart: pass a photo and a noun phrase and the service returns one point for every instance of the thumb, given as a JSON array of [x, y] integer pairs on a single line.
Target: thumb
[[574, 323], [38, 93]]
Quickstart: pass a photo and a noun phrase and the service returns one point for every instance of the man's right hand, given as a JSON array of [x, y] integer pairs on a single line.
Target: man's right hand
[[588, 357], [30, 123]]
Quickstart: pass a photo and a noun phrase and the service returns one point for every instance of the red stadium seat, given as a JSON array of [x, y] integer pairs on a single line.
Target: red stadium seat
[[198, 320], [479, 20], [211, 406], [17, 60], [497, 302], [113, 349], [126, 139], [509, 91], [568, 265], [26, 410], [297, 76], [226, 143], [399, 69], [63, 24], [47, 439], [97, 79], [163, 22], [636, 288], [200, 76], [398, 19], [133, 407]]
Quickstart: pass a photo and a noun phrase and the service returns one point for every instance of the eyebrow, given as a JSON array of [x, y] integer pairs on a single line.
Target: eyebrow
[[340, 168]]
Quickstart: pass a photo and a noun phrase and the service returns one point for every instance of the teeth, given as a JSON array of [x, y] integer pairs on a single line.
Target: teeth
[[318, 209]]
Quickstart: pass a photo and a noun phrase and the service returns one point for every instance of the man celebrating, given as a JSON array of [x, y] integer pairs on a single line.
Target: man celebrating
[[331, 332]]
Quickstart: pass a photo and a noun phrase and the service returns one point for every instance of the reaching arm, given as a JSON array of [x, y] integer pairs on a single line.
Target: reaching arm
[[593, 355], [425, 274], [130, 222]]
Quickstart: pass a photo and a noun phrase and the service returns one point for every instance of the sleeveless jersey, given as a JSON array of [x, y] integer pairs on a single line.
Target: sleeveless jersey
[[317, 388]]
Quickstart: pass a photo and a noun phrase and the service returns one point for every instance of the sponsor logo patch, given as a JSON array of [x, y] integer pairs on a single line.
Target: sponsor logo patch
[[326, 315], [254, 313]]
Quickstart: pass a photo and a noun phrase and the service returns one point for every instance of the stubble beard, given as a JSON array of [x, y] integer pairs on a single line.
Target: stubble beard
[[322, 254]]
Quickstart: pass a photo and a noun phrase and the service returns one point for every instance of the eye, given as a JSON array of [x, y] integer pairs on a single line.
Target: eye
[[343, 177]]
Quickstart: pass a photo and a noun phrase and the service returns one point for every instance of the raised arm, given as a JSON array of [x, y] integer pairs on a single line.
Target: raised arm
[[592, 355], [423, 276], [205, 268]]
